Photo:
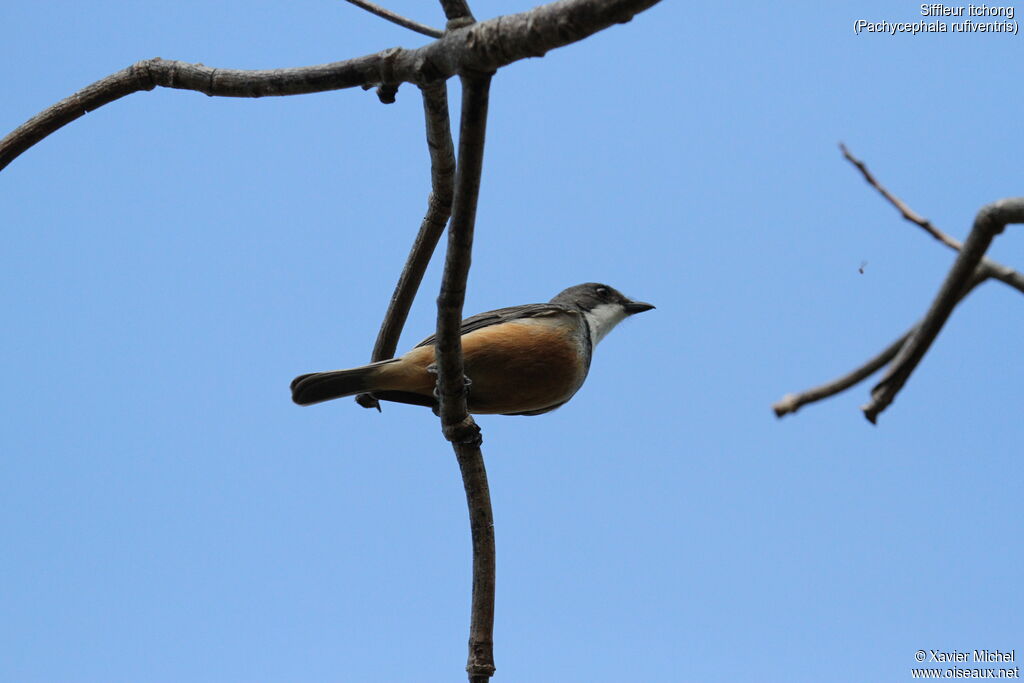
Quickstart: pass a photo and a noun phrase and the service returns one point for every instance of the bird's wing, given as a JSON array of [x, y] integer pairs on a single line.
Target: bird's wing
[[502, 315]]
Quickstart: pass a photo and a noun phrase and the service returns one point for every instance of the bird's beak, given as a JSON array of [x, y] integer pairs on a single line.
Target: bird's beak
[[637, 307]]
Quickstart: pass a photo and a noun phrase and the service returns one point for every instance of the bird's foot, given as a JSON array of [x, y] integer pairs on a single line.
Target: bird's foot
[[466, 382]]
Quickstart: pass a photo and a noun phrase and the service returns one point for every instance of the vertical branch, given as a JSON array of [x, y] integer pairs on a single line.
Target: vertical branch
[[450, 377], [480, 663], [457, 425], [439, 208]]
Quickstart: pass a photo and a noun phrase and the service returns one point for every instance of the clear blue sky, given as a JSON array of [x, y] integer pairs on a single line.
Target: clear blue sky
[[171, 261]]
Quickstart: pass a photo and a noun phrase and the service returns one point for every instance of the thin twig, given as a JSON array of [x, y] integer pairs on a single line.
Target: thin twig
[[790, 403], [457, 425], [394, 18], [904, 210], [439, 208], [480, 48], [1004, 274], [991, 220]]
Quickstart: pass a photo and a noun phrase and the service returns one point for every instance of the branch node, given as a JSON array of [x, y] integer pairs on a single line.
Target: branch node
[[465, 431], [386, 93], [388, 86], [486, 670], [459, 22], [368, 401]]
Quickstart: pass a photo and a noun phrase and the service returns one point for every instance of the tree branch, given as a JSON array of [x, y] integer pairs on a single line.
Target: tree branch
[[986, 268], [457, 12], [904, 210], [394, 18], [790, 403], [450, 377], [480, 48], [474, 51], [439, 208], [457, 425], [480, 662], [989, 222]]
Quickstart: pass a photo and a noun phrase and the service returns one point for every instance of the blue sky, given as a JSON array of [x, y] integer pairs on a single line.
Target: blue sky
[[171, 261]]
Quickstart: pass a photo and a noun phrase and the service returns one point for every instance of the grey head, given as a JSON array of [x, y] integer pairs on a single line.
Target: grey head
[[602, 306]]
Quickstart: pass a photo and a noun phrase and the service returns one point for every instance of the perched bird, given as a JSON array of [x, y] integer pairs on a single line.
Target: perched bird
[[522, 360]]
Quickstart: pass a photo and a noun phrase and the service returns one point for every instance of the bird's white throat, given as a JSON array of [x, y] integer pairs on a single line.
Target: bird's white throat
[[602, 319]]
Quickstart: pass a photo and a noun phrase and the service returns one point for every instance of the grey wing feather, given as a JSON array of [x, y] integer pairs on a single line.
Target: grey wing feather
[[481, 320]]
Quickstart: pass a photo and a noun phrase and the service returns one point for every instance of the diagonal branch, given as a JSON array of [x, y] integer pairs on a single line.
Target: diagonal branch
[[991, 220], [790, 403], [904, 210], [479, 48], [985, 269], [439, 208], [457, 425], [395, 18]]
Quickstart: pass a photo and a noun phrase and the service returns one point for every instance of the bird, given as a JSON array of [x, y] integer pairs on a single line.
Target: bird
[[521, 360]]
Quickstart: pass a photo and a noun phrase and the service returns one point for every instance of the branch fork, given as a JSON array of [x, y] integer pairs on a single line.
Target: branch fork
[[970, 269], [473, 51]]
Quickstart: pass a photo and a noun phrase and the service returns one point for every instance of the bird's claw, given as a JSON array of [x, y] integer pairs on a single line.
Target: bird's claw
[[432, 369]]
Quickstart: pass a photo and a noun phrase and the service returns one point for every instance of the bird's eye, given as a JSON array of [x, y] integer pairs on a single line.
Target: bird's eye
[[601, 292]]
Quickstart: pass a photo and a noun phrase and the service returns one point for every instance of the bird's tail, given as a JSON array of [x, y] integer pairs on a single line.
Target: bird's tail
[[323, 386]]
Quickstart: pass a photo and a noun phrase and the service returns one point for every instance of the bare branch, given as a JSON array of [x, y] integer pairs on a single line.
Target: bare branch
[[397, 18], [457, 425], [904, 210], [790, 403], [480, 663], [989, 222], [987, 268], [995, 269], [439, 208], [480, 48], [474, 51], [457, 12], [148, 74], [1004, 274], [450, 377]]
